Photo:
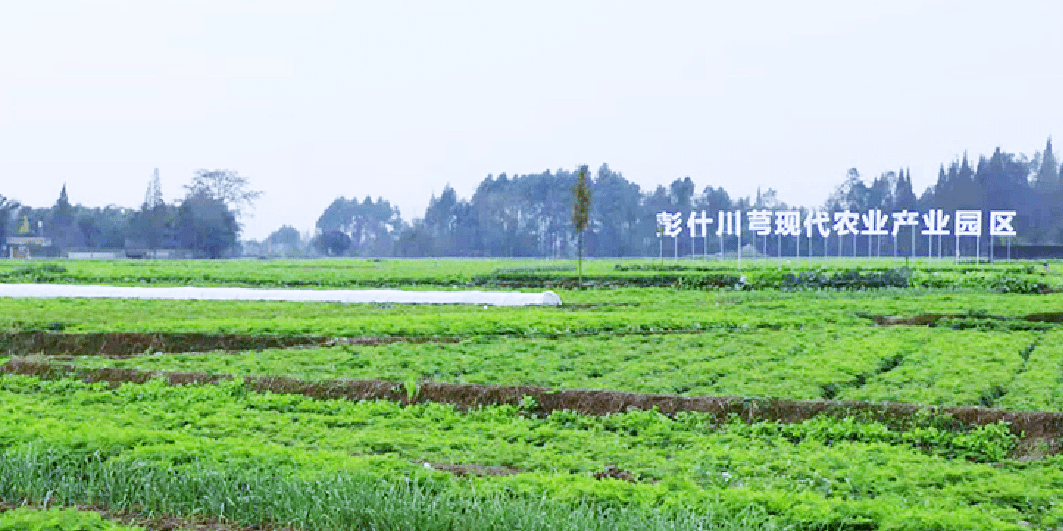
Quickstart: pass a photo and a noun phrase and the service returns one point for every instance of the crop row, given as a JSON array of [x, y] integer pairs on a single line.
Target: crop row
[[1039, 384], [1034, 427], [817, 473], [328, 501], [58, 519], [621, 311], [435, 274], [954, 368], [924, 365]]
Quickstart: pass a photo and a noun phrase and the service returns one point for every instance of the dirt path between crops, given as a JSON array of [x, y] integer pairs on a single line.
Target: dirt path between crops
[[1042, 430], [127, 344], [930, 319], [130, 344]]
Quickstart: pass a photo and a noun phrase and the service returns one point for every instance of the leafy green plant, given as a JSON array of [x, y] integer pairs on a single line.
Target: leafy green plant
[[411, 387], [63, 519]]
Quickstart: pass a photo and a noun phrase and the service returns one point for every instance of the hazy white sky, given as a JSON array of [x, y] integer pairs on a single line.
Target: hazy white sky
[[313, 99]]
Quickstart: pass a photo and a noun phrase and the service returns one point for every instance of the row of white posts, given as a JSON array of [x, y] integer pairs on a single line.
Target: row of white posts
[[764, 253]]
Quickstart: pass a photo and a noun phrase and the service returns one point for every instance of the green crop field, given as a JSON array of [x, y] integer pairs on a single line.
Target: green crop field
[[814, 394]]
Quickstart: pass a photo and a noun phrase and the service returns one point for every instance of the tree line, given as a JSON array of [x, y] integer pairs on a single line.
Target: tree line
[[532, 215], [205, 223]]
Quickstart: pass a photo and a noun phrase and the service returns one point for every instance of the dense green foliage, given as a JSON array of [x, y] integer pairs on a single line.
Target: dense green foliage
[[952, 335], [819, 472], [332, 500], [612, 311], [30, 519], [926, 365], [453, 274]]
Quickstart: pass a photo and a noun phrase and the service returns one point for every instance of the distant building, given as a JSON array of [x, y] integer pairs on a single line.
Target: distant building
[[29, 247]]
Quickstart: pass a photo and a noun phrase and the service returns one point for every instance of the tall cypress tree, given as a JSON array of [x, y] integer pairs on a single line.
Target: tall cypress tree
[[62, 228], [1048, 174], [62, 215], [582, 206], [904, 196]]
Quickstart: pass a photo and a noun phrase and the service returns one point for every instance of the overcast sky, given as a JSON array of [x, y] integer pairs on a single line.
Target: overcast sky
[[312, 100]]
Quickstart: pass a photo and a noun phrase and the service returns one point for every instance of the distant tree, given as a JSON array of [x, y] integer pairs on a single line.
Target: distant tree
[[286, 235], [616, 218], [1048, 172], [715, 198], [881, 191], [207, 226], [1004, 184], [497, 215], [208, 218], [61, 223], [379, 224], [1045, 205], [90, 231], [154, 219], [682, 193], [768, 199], [62, 215], [332, 243], [852, 194], [650, 204], [112, 223], [904, 196], [337, 216], [581, 207], [968, 192], [226, 186], [442, 227], [8, 207], [372, 227]]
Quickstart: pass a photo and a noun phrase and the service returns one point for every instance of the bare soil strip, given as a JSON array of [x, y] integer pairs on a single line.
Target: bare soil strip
[[123, 343], [1048, 317], [930, 319], [1034, 426], [127, 344]]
